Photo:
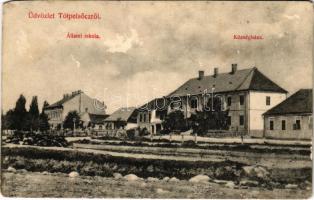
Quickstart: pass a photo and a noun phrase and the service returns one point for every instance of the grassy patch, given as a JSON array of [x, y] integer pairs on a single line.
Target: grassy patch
[[91, 164]]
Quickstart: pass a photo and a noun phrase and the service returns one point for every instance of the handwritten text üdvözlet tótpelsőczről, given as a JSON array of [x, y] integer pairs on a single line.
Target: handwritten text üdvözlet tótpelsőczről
[[64, 15]]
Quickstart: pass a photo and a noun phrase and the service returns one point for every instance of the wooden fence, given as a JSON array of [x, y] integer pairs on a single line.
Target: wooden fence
[[224, 133]]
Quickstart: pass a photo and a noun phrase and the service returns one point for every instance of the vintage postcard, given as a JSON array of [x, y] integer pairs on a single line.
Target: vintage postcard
[[157, 99]]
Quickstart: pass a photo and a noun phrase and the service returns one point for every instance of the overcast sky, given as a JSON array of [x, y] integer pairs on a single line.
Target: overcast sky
[[149, 49]]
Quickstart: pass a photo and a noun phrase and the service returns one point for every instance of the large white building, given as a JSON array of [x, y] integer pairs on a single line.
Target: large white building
[[245, 93], [78, 101]]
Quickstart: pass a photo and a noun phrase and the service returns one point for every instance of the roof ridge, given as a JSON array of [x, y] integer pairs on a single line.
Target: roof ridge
[[252, 70], [175, 89], [223, 73], [63, 100], [127, 108]]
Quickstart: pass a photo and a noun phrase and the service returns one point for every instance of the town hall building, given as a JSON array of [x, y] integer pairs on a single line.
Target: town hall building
[[245, 93]]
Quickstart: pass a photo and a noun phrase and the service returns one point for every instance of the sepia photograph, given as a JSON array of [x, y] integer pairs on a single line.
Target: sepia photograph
[[157, 99]]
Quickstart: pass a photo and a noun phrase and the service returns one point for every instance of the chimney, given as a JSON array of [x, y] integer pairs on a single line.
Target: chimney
[[233, 68], [200, 75], [215, 72]]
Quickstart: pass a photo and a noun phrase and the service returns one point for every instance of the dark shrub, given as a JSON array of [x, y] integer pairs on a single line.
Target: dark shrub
[[143, 132], [189, 143], [130, 134], [84, 141], [165, 132], [175, 121], [164, 140], [38, 139]]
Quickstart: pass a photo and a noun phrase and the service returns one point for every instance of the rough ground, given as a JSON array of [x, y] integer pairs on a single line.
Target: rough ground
[[266, 159], [34, 184]]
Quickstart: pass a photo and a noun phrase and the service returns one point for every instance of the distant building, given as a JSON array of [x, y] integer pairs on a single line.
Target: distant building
[[292, 118], [125, 116], [151, 115], [245, 93], [76, 101], [96, 121]]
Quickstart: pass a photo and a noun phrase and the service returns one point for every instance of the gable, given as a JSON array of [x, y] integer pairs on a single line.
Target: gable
[[260, 82], [93, 106]]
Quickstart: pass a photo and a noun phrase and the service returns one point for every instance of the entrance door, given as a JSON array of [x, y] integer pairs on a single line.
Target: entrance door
[[153, 129], [158, 128]]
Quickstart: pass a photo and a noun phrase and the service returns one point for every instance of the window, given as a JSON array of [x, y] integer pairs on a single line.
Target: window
[[86, 109], [229, 101], [144, 117], [283, 124], [297, 125], [193, 103], [241, 120], [158, 114], [153, 129], [141, 117], [229, 120], [161, 114], [271, 125], [149, 117], [209, 104], [268, 101], [241, 100]]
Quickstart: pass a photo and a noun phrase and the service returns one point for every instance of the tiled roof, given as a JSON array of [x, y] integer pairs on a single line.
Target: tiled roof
[[245, 79], [124, 114], [61, 102], [94, 106], [299, 102], [155, 104], [97, 119]]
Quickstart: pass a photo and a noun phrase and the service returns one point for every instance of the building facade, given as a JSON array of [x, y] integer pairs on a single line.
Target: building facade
[[76, 101], [291, 119], [151, 115], [94, 121], [123, 118], [246, 94]]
